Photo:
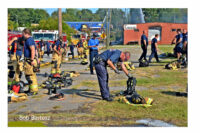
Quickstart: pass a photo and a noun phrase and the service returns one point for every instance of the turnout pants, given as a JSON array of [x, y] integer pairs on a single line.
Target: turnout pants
[[41, 53], [64, 52], [13, 57], [80, 52], [103, 77], [153, 54], [19, 69], [93, 53], [31, 75], [56, 63], [86, 53], [144, 53]]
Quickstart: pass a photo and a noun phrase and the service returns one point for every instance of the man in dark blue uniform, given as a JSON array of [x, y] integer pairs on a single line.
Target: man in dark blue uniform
[[48, 47], [144, 45], [179, 45], [109, 57], [154, 49], [71, 48], [30, 62], [93, 46]]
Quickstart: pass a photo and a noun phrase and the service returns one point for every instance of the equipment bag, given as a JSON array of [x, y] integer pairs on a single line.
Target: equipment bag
[[131, 83], [18, 87], [143, 63]]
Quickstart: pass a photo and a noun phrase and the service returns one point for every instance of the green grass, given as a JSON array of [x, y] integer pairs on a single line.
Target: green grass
[[25, 124], [166, 107], [162, 109], [166, 48]]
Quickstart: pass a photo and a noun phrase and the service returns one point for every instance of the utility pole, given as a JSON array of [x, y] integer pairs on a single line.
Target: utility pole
[[59, 22], [109, 26], [107, 43]]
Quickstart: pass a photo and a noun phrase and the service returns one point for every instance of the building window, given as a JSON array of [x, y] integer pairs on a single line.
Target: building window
[[173, 30], [136, 30]]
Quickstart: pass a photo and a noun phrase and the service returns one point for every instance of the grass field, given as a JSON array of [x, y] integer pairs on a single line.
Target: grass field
[[160, 84]]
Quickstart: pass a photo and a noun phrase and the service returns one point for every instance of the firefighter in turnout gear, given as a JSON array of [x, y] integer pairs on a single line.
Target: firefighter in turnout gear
[[86, 49], [30, 62], [17, 63], [56, 57]]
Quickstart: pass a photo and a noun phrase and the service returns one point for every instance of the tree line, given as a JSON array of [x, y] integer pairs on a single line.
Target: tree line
[[24, 17]]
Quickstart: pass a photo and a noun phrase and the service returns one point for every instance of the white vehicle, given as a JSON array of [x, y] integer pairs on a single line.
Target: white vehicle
[[45, 35]]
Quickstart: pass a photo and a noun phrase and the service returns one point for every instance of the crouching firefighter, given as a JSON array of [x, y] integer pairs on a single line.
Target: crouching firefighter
[[30, 62], [109, 57], [56, 57]]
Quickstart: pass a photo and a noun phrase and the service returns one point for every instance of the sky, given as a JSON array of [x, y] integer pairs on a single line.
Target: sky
[[51, 10]]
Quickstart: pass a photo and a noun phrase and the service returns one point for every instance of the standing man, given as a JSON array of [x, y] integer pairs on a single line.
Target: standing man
[[144, 45], [56, 57], [93, 46], [86, 50], [71, 47], [154, 49], [30, 62], [179, 44], [48, 47], [109, 57]]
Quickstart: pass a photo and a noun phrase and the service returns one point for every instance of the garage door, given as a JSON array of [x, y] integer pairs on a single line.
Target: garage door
[[154, 30]]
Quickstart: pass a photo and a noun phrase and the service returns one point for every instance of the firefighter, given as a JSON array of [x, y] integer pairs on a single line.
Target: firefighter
[[144, 45], [30, 62], [18, 63], [178, 42], [80, 49], [93, 46], [48, 48], [86, 50], [154, 49], [12, 44], [56, 57], [41, 49], [71, 47], [109, 58]]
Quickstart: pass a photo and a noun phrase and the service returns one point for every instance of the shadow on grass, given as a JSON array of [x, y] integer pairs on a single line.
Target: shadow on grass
[[83, 93], [175, 93]]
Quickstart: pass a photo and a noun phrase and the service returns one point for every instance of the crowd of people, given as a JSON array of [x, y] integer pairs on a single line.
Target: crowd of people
[[27, 55], [180, 41]]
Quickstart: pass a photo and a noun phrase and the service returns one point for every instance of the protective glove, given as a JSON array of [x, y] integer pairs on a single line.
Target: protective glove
[[117, 71]]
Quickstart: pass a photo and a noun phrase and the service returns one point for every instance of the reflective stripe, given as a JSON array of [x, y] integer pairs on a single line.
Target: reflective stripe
[[149, 101], [33, 86], [58, 71]]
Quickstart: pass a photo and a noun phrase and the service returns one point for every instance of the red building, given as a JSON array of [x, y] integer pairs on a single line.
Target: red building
[[166, 31]]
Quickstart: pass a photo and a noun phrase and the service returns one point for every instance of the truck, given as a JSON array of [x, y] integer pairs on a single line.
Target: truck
[[47, 35]]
